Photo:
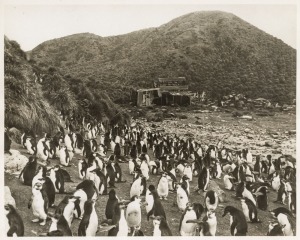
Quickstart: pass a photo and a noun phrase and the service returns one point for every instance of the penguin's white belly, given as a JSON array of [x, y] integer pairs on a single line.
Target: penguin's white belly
[[69, 213], [227, 183], [135, 189], [83, 198], [246, 211], [188, 229], [53, 226], [283, 220], [150, 202], [188, 172], [156, 231], [93, 224], [163, 188], [212, 223], [28, 146], [131, 167], [182, 199], [40, 152], [248, 195], [38, 207], [276, 185], [123, 227]]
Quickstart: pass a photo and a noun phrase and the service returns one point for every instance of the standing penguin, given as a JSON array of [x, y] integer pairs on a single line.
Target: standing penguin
[[133, 212], [238, 223], [59, 224], [82, 168], [64, 156], [211, 201], [203, 179], [211, 221], [14, 225], [111, 203], [39, 203], [163, 186], [28, 172], [192, 212], [30, 145], [181, 198], [185, 184], [89, 224], [228, 184], [71, 209], [157, 208], [100, 181], [57, 178], [282, 214], [188, 172], [261, 198], [282, 193], [249, 210], [275, 183], [161, 227], [149, 198]]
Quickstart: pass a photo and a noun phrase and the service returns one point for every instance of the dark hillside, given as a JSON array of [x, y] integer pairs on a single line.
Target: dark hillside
[[35, 95], [217, 52]]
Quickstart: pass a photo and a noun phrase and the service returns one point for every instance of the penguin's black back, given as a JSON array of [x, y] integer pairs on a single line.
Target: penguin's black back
[[110, 205], [50, 190], [15, 222]]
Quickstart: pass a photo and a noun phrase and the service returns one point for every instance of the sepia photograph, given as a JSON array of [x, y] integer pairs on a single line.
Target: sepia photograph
[[149, 118]]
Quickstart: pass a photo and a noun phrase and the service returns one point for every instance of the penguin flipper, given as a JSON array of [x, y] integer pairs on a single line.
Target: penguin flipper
[[11, 231], [232, 227], [149, 214], [22, 172]]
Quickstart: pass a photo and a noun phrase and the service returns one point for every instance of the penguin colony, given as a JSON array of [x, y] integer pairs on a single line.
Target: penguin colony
[[176, 164]]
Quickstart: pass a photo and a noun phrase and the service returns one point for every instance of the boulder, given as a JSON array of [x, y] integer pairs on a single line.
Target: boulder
[[15, 135], [14, 162]]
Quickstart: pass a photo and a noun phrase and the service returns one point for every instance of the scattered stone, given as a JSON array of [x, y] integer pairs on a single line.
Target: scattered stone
[[14, 162], [247, 130], [268, 144]]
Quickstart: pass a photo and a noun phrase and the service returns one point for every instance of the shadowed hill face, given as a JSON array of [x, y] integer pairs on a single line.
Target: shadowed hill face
[[217, 52]]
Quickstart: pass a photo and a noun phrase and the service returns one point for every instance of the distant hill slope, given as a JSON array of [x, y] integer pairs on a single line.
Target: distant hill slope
[[35, 95], [217, 52]]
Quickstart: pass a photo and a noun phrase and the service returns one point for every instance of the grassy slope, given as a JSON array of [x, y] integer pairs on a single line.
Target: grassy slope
[[22, 193], [217, 52]]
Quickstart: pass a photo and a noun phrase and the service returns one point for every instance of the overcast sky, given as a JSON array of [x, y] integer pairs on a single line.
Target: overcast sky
[[31, 25]]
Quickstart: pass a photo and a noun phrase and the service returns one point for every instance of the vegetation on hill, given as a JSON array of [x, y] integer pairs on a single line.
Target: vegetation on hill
[[35, 95], [217, 52]]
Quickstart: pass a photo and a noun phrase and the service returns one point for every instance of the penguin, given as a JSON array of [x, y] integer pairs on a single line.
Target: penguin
[[71, 209], [163, 186], [292, 201], [111, 203], [203, 179], [68, 140], [282, 193], [30, 145], [137, 187], [43, 149], [218, 170], [48, 185], [82, 168], [211, 221], [122, 224], [185, 184], [275, 183], [249, 210], [60, 224], [211, 201], [100, 181], [110, 175], [133, 212], [262, 198], [282, 214], [57, 179], [157, 208], [89, 224], [14, 225], [181, 198], [238, 223], [39, 203], [28, 172], [64, 156], [89, 188], [161, 227], [275, 229], [228, 184], [149, 198], [82, 196], [172, 178], [188, 172], [144, 168], [247, 194], [131, 166], [8, 198], [118, 171], [192, 212]]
